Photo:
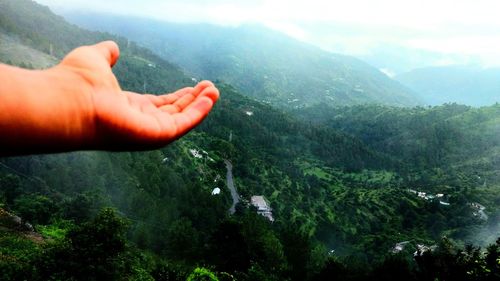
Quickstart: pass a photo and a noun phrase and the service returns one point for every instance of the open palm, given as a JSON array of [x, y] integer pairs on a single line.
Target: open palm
[[127, 120]]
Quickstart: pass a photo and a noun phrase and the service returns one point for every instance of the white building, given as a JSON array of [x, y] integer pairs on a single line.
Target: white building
[[263, 206]]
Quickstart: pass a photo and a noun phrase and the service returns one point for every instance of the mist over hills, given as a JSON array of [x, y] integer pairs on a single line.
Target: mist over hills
[[461, 84], [274, 68], [259, 62], [396, 59]]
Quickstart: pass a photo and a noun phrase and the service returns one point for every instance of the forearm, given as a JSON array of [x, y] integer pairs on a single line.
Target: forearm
[[43, 111]]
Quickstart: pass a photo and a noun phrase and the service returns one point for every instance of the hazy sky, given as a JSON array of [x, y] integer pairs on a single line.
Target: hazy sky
[[462, 30]]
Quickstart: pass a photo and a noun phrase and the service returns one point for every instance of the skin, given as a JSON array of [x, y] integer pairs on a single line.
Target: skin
[[79, 105]]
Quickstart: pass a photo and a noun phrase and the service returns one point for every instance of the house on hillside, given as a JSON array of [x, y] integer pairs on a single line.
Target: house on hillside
[[478, 211], [399, 247], [263, 206]]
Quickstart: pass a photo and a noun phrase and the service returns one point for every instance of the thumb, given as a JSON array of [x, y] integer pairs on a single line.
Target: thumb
[[110, 51]]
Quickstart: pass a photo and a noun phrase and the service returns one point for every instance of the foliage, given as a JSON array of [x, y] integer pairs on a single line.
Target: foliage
[[37, 209], [15, 256], [56, 231], [202, 274]]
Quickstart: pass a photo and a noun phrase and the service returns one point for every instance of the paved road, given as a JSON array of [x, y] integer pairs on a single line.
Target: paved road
[[230, 184]]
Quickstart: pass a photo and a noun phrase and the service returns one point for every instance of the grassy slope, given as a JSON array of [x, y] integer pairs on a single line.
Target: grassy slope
[[16, 53]]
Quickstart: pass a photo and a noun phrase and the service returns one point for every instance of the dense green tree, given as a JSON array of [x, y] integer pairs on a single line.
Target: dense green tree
[[35, 208], [297, 248], [229, 250], [10, 186], [492, 261], [95, 250], [202, 274]]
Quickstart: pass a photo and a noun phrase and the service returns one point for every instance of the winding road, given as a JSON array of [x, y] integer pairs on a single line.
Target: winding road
[[230, 184]]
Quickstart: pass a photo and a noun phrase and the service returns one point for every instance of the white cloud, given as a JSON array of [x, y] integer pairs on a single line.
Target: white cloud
[[356, 26], [403, 13], [486, 48]]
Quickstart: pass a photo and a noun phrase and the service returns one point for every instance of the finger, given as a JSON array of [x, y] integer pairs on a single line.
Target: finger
[[211, 92], [183, 91], [193, 115], [198, 89], [109, 50], [170, 108], [156, 100], [171, 98], [179, 105], [177, 101], [184, 101]]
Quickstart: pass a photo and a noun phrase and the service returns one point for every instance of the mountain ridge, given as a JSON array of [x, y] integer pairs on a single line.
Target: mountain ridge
[[262, 63]]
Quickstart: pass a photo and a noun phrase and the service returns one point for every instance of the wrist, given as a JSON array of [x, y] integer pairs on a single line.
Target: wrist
[[44, 111], [74, 100]]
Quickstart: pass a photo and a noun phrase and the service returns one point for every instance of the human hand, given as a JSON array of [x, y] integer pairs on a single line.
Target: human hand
[[125, 120], [78, 104]]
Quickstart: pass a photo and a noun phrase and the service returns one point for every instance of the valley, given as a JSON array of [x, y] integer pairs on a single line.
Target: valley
[[343, 168]]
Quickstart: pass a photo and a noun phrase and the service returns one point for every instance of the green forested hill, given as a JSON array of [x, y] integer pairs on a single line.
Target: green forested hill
[[259, 62], [422, 138], [450, 149], [36, 27], [340, 190]]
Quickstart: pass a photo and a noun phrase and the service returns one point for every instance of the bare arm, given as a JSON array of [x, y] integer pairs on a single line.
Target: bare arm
[[79, 104]]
